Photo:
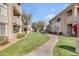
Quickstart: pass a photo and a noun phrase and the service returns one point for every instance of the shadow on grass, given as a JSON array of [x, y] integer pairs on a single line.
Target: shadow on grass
[[69, 48]]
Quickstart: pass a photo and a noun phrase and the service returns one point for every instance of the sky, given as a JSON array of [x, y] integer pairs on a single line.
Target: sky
[[43, 11]]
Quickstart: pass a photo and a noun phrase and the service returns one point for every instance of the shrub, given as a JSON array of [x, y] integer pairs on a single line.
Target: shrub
[[3, 40], [60, 33], [54, 32], [73, 35], [20, 35]]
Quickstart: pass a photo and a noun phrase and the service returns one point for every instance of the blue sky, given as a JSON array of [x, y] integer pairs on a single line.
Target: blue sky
[[43, 11]]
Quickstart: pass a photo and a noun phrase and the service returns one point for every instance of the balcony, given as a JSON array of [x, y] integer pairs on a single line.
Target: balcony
[[70, 19], [17, 20]]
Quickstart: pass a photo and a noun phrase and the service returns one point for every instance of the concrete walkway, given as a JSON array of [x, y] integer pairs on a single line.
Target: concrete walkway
[[46, 49]]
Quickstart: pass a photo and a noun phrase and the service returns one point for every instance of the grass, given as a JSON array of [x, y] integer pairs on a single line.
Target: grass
[[26, 45], [65, 46]]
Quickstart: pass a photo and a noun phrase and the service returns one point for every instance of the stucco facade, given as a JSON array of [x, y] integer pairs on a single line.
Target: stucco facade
[[64, 20], [13, 16]]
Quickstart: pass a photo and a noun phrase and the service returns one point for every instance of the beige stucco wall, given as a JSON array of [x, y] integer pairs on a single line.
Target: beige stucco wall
[[10, 26], [3, 19], [63, 23], [11, 20]]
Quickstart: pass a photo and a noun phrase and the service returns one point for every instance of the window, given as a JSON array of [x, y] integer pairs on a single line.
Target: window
[[58, 20], [78, 9], [2, 29], [16, 28], [3, 9], [69, 13]]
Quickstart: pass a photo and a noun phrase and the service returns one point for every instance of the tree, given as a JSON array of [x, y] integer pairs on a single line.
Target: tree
[[26, 20], [34, 26], [40, 25]]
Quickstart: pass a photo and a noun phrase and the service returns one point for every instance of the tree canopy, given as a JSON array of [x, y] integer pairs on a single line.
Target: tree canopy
[[38, 26]]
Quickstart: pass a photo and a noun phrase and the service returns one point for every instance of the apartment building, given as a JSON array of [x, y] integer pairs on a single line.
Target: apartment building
[[63, 22], [10, 19], [26, 19]]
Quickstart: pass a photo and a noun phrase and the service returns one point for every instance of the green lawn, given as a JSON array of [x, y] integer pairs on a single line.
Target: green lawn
[[65, 46], [26, 45]]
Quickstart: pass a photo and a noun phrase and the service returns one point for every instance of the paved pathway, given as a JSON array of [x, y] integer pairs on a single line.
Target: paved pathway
[[46, 49]]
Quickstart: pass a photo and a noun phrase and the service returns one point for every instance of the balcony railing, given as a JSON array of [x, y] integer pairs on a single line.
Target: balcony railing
[[70, 19], [17, 20]]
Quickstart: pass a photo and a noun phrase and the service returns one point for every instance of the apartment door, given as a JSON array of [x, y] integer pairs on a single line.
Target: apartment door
[[69, 29]]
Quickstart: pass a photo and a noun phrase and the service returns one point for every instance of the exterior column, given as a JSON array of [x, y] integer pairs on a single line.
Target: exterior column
[[9, 26], [20, 23]]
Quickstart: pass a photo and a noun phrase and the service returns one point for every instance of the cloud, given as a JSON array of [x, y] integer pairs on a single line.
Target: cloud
[[50, 16], [65, 5]]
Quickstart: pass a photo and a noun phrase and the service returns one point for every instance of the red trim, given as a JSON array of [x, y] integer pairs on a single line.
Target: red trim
[[75, 27]]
